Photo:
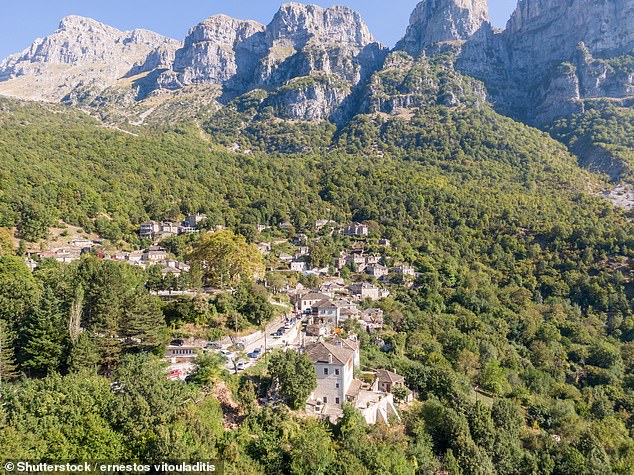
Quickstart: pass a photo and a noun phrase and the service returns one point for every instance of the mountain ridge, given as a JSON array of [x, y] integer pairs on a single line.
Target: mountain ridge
[[323, 64]]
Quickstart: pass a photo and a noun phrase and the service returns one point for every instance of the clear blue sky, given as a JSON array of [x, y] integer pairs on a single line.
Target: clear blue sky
[[24, 20]]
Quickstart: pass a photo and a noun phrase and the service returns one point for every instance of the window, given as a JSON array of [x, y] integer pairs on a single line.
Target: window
[[326, 371], [337, 385], [336, 400], [337, 372], [325, 399]]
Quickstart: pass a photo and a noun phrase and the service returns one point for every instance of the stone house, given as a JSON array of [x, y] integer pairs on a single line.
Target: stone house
[[364, 291], [377, 271], [356, 229]]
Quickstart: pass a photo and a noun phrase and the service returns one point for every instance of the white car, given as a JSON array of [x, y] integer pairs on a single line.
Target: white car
[[241, 365]]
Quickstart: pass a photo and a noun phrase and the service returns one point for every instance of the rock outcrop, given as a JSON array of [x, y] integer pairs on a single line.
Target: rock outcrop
[[82, 54], [438, 21]]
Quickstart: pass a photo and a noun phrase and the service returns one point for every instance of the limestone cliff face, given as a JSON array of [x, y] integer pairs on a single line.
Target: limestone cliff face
[[543, 33], [314, 98], [216, 51], [408, 83], [556, 27], [306, 39], [544, 64], [82, 53], [436, 21]]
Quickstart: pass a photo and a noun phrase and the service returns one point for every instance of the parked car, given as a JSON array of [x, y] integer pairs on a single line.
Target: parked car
[[255, 353], [225, 352], [239, 346], [177, 342], [214, 345], [241, 365]]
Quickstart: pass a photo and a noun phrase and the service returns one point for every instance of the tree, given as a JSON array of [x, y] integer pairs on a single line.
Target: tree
[[84, 355], [44, 339], [8, 367], [313, 452], [207, 369], [7, 247], [295, 374], [35, 219], [322, 253], [19, 291], [252, 301], [155, 279], [226, 259], [143, 324], [146, 399]]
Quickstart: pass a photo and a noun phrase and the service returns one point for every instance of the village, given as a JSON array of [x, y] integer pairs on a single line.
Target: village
[[315, 320]]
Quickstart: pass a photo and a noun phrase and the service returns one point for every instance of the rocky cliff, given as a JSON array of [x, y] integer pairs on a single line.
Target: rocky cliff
[[216, 51]]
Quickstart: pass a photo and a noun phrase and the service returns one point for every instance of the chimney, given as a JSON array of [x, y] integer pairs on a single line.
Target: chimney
[[329, 358]]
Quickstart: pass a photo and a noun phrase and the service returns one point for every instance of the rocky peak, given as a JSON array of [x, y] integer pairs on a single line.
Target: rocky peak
[[297, 24], [436, 21], [224, 30], [79, 24]]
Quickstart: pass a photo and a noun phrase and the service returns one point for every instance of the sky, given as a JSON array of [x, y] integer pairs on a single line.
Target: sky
[[23, 21]]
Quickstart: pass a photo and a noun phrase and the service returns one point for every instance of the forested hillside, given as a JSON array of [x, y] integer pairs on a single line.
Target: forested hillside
[[602, 137], [524, 293]]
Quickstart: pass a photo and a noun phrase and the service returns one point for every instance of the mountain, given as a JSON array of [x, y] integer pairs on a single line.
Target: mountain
[[82, 58], [555, 59], [556, 54]]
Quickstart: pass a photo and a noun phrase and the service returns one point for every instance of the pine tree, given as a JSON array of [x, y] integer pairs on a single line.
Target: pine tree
[[84, 354], [8, 368], [44, 338], [143, 324]]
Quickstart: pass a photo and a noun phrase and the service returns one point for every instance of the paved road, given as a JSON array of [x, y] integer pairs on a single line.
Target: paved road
[[267, 342], [263, 340]]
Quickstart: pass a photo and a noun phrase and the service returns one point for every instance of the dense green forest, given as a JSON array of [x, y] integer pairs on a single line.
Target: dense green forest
[[518, 335], [602, 136]]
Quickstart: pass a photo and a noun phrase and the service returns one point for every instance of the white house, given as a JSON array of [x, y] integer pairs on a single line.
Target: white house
[[334, 363], [307, 301], [326, 311], [377, 270], [334, 366], [155, 254], [404, 270], [365, 291]]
